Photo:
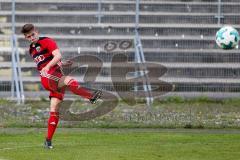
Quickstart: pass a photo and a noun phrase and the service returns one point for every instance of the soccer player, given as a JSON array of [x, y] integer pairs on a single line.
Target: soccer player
[[47, 56]]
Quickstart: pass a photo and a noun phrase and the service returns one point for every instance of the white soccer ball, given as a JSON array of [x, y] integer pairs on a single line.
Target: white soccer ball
[[227, 37]]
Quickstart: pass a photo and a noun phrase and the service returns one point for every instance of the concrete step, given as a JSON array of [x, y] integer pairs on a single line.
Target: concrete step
[[151, 54], [168, 65], [166, 44], [190, 42], [120, 17], [120, 25], [106, 13], [173, 70], [124, 1], [111, 29], [99, 30], [121, 37], [188, 72], [180, 84], [190, 7], [172, 80]]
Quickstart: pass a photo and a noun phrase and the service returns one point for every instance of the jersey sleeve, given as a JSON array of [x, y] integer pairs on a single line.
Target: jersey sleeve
[[51, 45]]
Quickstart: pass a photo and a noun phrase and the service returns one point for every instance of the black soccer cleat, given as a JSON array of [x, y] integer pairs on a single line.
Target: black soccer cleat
[[48, 144], [96, 95]]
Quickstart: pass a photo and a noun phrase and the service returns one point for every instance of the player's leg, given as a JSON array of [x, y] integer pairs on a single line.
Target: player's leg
[[52, 121], [76, 88], [50, 83]]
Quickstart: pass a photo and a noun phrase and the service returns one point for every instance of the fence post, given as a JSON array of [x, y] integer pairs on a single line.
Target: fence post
[[140, 60], [219, 15], [99, 11], [16, 82]]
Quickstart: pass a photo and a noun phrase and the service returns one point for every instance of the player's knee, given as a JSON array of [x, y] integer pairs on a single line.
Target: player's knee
[[54, 109], [54, 105], [64, 81], [67, 80]]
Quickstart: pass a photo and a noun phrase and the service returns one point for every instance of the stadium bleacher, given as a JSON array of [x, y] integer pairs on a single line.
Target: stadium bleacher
[[178, 34]]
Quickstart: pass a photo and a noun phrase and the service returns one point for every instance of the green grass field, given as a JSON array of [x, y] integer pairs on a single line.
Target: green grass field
[[121, 144]]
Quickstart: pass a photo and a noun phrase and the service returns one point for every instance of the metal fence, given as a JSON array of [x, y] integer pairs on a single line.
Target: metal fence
[[179, 35]]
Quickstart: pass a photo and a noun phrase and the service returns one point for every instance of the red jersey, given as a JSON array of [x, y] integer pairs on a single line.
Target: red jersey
[[41, 51]]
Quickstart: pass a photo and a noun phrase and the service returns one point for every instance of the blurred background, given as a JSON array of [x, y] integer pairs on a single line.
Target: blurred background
[[176, 35]]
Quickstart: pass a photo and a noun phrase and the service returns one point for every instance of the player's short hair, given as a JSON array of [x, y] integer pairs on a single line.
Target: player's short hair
[[27, 28]]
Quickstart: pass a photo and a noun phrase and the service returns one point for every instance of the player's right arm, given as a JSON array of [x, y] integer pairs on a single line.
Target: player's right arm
[[56, 58]]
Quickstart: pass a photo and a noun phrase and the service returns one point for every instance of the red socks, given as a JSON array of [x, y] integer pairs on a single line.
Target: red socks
[[74, 87], [52, 124]]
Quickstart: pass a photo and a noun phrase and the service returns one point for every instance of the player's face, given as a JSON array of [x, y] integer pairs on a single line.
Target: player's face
[[32, 36]]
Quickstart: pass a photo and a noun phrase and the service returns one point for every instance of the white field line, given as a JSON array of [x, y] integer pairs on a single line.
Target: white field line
[[12, 148], [22, 147]]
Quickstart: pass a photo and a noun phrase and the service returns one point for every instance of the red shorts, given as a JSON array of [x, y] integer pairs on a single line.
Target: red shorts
[[50, 82]]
